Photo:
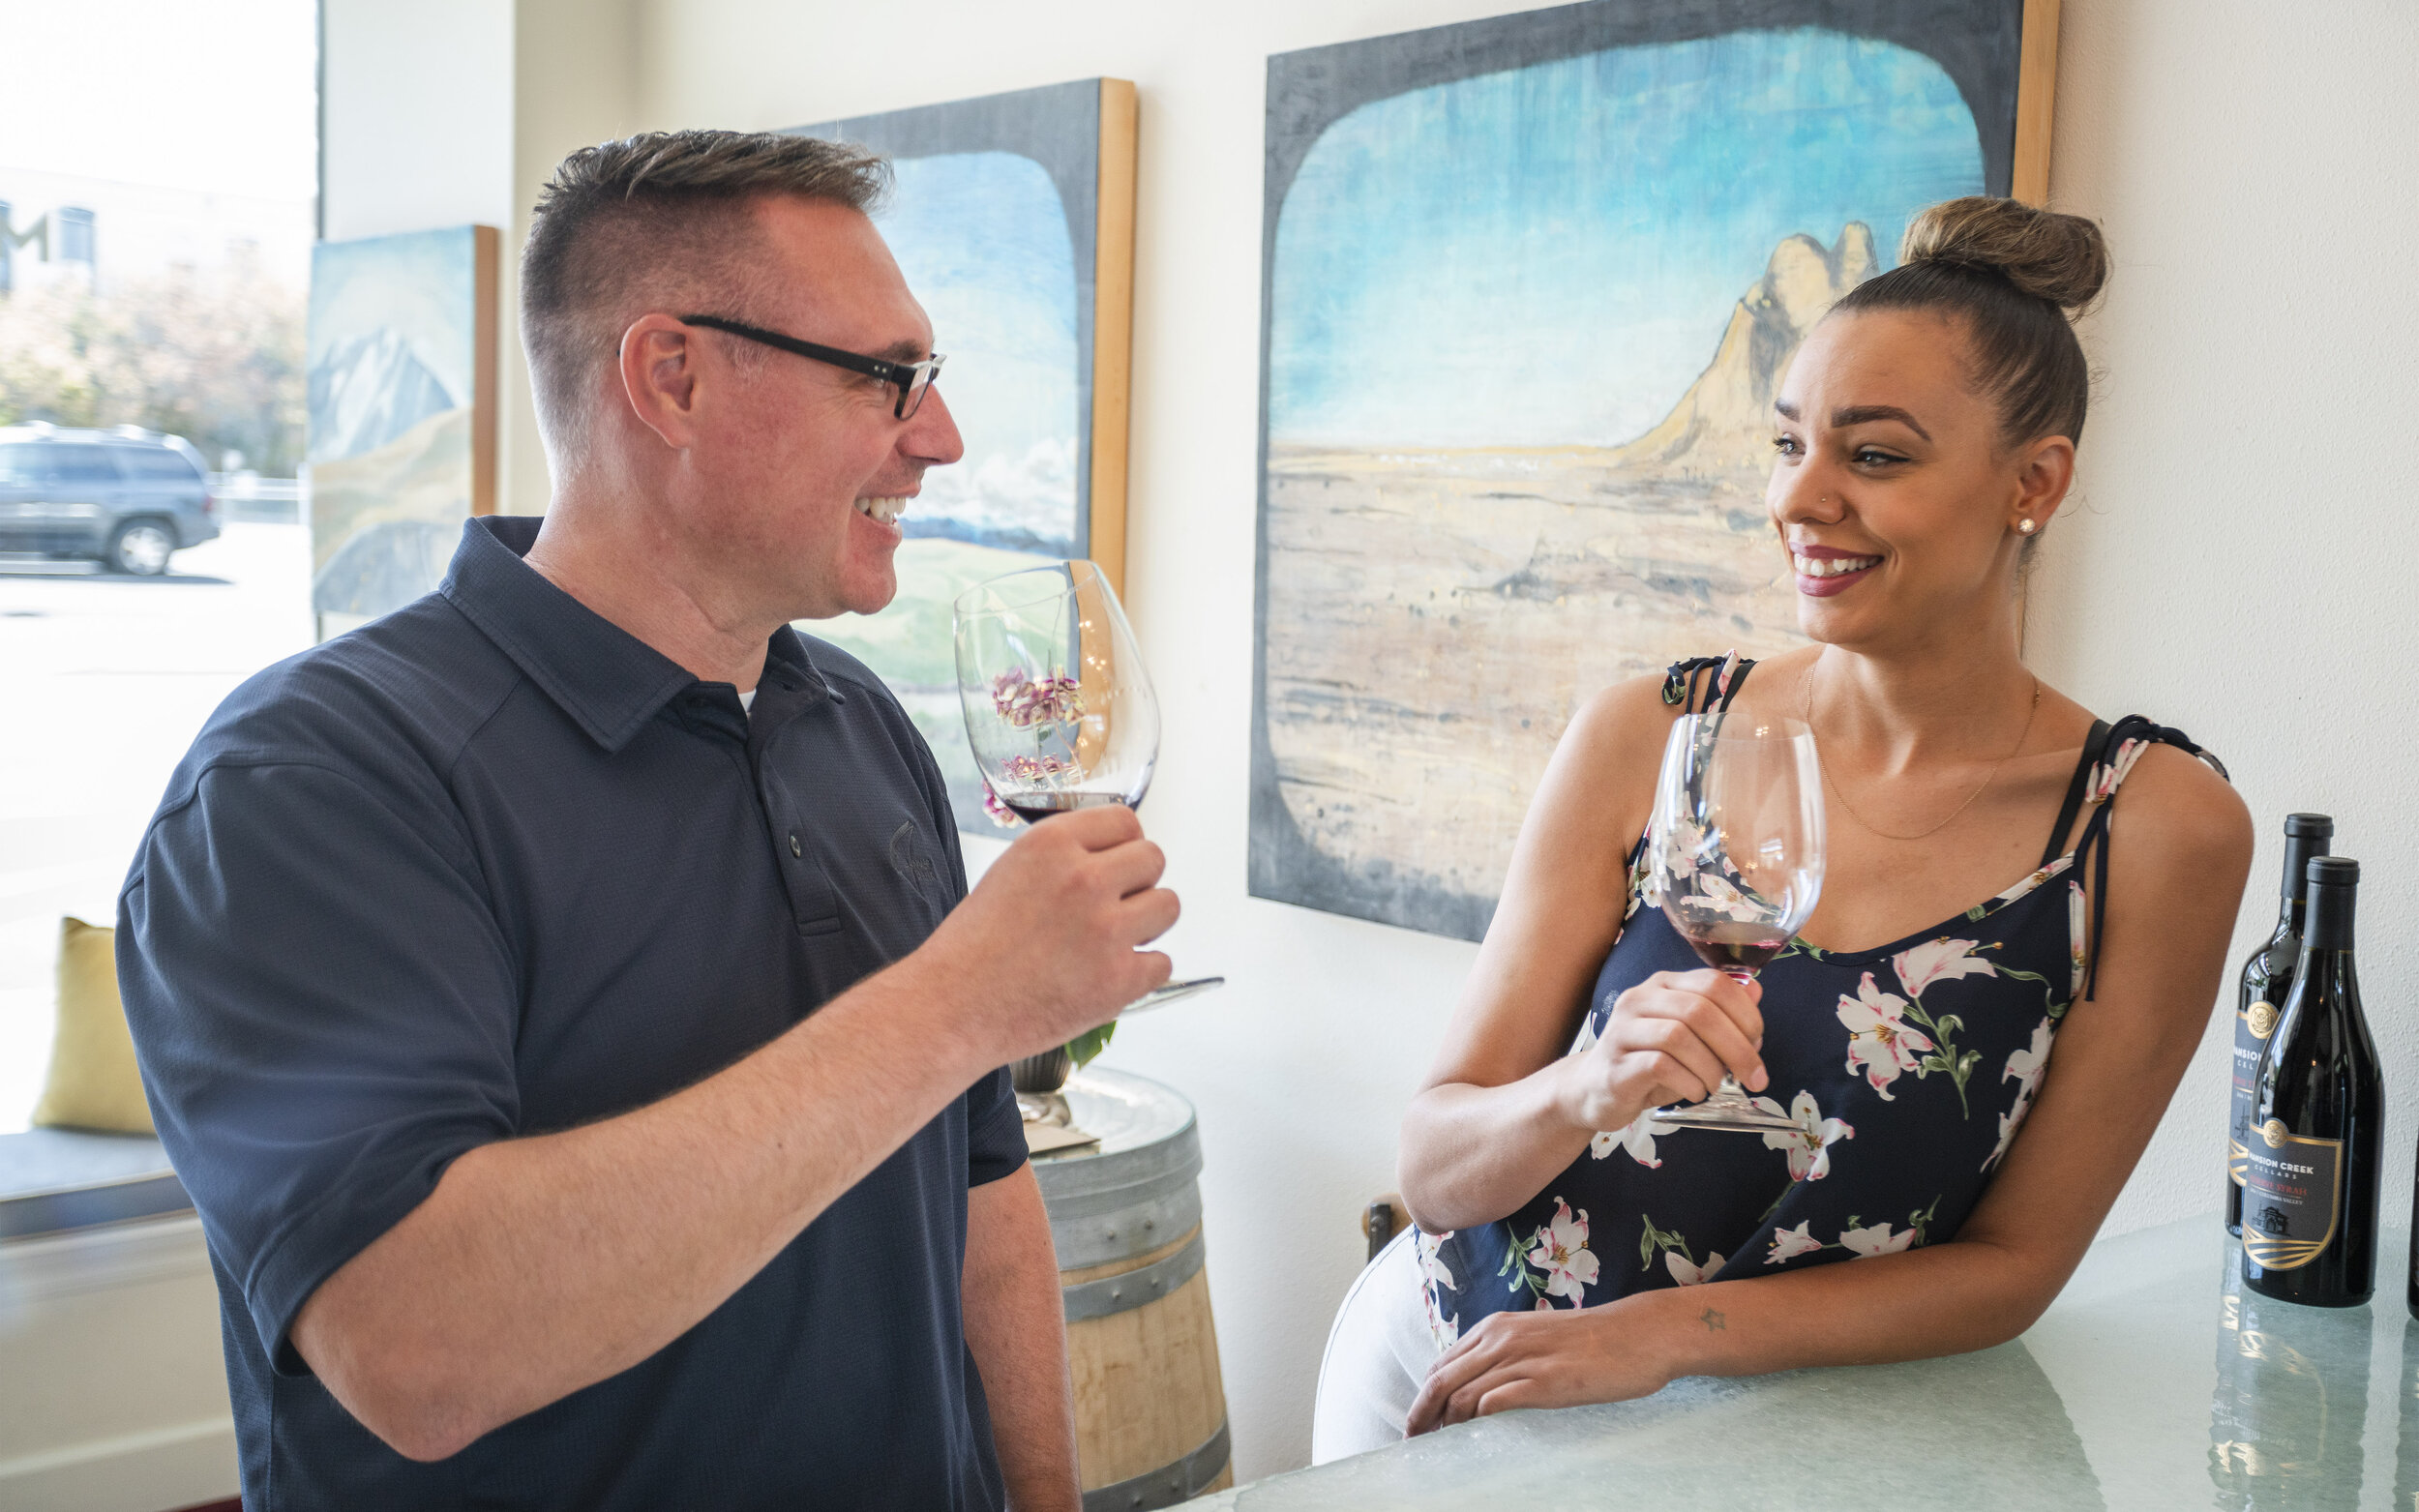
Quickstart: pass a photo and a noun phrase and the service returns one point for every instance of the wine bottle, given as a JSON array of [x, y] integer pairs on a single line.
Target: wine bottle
[[2267, 976], [2310, 1181]]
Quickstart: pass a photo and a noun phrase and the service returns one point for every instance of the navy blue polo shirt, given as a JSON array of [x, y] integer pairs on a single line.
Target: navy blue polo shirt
[[491, 866]]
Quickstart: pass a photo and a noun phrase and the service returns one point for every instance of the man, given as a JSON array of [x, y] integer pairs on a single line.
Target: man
[[561, 997]]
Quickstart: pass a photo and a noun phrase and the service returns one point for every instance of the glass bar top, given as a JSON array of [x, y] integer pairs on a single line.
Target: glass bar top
[[2155, 1381]]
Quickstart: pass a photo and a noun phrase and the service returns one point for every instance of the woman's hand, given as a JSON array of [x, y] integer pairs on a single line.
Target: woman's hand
[[1668, 1040], [1538, 1359]]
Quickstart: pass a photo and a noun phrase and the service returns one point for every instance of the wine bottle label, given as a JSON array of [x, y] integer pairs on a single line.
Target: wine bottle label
[[2251, 1026], [2291, 1197]]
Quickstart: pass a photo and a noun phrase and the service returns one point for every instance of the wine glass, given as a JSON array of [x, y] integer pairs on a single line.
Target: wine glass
[[1737, 863], [1058, 705]]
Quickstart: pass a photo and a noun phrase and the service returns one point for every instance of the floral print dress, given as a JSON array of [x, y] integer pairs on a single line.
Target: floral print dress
[[1908, 1070]]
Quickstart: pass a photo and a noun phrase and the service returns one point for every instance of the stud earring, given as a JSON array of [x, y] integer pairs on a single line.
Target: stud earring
[[2026, 527]]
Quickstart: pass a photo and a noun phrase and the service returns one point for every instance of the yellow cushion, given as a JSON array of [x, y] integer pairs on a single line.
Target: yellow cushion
[[93, 1082]]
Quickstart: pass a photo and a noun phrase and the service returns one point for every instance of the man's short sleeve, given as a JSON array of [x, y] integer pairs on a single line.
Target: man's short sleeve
[[324, 1009], [995, 1130]]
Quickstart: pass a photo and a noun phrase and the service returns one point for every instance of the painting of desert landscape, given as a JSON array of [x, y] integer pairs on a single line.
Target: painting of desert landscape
[[989, 216], [392, 354], [1523, 329]]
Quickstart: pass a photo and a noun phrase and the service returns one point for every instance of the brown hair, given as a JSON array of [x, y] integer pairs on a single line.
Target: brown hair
[[652, 221], [2010, 273]]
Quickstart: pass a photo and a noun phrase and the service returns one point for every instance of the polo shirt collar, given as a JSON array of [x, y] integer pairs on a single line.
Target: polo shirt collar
[[607, 679]]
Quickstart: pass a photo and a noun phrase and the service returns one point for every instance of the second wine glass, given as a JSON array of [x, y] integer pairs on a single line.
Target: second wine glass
[[1059, 706], [1736, 849]]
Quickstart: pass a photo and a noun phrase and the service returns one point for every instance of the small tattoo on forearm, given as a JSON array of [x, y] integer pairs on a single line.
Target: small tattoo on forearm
[[1712, 1320]]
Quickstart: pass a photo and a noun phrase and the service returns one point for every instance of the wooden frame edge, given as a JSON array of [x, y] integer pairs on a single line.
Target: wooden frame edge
[[487, 258], [2036, 94], [1113, 328]]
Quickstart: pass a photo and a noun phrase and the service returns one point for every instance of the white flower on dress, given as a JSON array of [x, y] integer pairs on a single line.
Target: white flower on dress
[[2106, 778], [1689, 1275], [1435, 1273], [1790, 1243], [2027, 1066], [1562, 1252], [1431, 1263], [1638, 1139], [1715, 892], [1878, 1036], [2077, 933], [1876, 1239], [1939, 960], [1809, 1147]]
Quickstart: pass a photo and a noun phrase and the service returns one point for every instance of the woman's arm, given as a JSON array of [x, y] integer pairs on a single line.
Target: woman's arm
[[1503, 1109], [2175, 881]]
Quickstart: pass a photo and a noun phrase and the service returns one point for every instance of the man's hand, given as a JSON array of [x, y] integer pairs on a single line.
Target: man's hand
[[1052, 933]]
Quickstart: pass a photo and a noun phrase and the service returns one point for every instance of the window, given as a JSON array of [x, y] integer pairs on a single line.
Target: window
[[157, 210]]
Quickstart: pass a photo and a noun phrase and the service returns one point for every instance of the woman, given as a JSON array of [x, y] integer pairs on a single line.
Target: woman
[[1570, 1249]]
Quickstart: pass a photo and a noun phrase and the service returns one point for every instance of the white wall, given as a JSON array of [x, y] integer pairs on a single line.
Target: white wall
[[2239, 562], [417, 115], [2233, 567]]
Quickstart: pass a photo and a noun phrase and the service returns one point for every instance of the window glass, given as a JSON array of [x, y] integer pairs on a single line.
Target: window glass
[[156, 461], [26, 461], [74, 462], [175, 157]]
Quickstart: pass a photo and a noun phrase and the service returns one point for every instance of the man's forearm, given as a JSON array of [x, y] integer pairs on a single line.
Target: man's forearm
[[1016, 1326], [542, 1266]]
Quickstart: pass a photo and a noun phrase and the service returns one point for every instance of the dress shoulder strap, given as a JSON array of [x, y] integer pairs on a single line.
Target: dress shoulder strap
[[1704, 682], [2109, 753]]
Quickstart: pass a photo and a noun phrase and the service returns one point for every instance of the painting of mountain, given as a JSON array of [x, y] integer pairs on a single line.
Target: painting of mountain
[[401, 423], [1011, 217], [1527, 286]]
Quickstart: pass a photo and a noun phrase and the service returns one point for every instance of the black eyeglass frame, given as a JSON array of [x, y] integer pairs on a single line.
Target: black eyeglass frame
[[910, 379]]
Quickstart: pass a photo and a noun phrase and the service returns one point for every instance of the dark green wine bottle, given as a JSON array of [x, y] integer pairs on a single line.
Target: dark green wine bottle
[[2267, 977], [2310, 1180]]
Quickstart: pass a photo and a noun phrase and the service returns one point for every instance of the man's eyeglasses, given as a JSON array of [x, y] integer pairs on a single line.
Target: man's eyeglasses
[[913, 379]]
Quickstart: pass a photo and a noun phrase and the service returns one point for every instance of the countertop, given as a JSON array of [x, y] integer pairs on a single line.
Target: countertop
[[2155, 1381]]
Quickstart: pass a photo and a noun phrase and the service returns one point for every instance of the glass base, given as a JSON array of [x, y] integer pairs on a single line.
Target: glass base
[[1730, 1109]]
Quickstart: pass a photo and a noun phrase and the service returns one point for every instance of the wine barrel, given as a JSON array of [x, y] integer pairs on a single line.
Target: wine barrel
[[1125, 1215]]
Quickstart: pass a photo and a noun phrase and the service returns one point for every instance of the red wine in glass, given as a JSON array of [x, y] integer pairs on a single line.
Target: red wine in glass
[[1059, 706], [1034, 807], [1737, 951], [1737, 853]]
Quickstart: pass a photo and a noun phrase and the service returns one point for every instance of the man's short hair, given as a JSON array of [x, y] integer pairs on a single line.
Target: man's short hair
[[653, 221]]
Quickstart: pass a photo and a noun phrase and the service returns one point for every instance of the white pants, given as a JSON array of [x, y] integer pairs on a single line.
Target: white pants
[[1378, 1350]]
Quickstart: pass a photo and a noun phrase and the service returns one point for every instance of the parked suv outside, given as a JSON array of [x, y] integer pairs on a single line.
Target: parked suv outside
[[128, 497]]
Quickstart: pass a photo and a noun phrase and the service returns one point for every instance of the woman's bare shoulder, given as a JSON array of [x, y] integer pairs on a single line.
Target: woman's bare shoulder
[[1617, 720], [2184, 810]]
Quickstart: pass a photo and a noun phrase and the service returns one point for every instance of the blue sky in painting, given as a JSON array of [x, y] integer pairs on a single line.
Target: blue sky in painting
[[982, 238], [1549, 255]]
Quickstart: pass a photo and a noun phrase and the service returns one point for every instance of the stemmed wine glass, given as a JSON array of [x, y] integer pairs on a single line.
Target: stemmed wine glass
[[1059, 706], [1737, 855]]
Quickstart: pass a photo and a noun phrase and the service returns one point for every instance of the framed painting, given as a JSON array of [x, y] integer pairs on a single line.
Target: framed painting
[[1527, 285], [399, 432], [1012, 216]]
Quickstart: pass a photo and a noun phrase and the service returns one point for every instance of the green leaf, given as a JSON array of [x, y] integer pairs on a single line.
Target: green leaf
[[1085, 1046]]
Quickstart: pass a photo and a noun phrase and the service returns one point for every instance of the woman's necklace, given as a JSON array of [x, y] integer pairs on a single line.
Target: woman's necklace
[[1807, 717]]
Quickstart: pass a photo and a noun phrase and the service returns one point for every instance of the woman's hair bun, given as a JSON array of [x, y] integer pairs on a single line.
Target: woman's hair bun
[[2061, 258]]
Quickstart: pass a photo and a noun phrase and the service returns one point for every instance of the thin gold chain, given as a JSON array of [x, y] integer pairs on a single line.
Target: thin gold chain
[[1807, 717]]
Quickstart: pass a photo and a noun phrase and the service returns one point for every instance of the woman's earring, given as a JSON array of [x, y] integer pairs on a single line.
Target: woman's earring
[[2026, 527]]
